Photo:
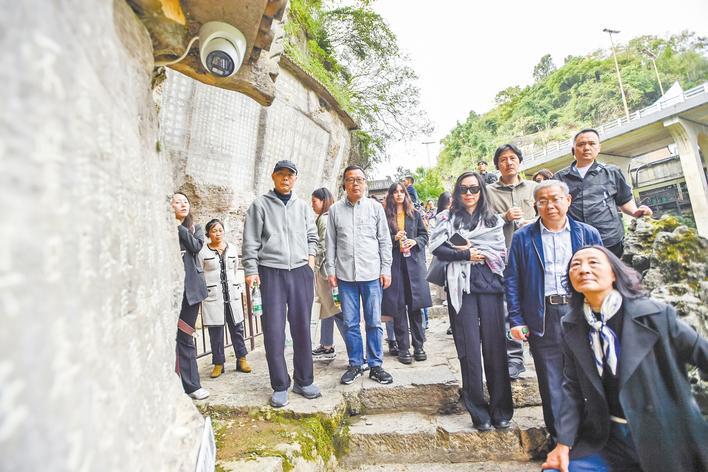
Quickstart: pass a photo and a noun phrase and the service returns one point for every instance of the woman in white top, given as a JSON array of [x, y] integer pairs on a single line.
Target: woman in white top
[[223, 303]]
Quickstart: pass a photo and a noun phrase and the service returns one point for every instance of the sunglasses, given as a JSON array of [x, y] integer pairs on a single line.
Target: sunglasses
[[473, 189]]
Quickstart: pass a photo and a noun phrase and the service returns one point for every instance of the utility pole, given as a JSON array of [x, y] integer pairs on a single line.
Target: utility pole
[[617, 67], [652, 56], [427, 149]]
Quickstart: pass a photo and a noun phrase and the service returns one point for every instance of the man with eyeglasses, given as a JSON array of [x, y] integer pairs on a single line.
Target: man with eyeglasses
[[598, 190], [512, 197], [536, 296], [358, 262]]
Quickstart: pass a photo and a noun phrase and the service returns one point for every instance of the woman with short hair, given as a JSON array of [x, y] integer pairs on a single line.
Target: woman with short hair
[[627, 399], [470, 238], [223, 304]]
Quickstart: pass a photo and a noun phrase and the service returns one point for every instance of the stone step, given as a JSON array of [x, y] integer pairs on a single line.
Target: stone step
[[452, 467], [415, 438]]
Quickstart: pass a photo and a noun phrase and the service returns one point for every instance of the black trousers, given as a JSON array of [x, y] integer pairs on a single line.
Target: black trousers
[[548, 360], [287, 294], [480, 325], [216, 338], [186, 350], [407, 319], [617, 249]]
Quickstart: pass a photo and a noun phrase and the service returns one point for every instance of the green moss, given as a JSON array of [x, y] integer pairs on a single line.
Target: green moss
[[677, 253]]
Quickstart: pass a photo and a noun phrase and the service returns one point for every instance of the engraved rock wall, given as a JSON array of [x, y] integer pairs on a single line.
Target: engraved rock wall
[[90, 273], [224, 145]]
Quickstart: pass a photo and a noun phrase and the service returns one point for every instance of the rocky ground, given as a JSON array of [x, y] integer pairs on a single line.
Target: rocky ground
[[417, 423]]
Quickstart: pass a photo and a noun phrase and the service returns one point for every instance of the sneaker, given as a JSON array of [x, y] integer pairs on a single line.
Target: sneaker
[[323, 353], [352, 373], [310, 392], [419, 354], [381, 376], [279, 399], [199, 394], [515, 371], [393, 348], [449, 331]]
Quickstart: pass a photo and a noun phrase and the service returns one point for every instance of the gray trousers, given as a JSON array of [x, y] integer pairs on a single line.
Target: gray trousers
[[216, 338], [287, 294], [548, 360], [187, 351]]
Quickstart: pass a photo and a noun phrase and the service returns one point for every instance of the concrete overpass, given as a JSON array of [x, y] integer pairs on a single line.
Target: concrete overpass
[[681, 119]]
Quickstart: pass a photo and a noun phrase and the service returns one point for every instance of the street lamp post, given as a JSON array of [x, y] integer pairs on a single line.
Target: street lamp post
[[427, 149], [652, 56], [619, 77]]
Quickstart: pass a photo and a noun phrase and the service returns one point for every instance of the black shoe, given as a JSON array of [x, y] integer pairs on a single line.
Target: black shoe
[[393, 348], [503, 424], [352, 373], [381, 376], [515, 371], [449, 330], [323, 353], [420, 355], [483, 427], [404, 357]]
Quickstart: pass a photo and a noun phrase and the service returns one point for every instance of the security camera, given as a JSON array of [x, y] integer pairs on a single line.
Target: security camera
[[221, 48]]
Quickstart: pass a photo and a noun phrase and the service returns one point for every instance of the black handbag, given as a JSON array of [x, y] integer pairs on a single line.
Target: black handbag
[[437, 272]]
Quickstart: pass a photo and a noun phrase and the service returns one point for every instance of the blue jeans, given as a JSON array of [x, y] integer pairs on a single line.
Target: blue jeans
[[327, 329], [351, 295], [591, 463], [426, 318], [619, 454]]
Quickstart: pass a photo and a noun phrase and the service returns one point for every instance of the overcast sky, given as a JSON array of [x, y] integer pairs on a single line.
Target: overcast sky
[[465, 52]]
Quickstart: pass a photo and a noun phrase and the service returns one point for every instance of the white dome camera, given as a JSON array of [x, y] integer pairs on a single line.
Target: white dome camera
[[221, 48]]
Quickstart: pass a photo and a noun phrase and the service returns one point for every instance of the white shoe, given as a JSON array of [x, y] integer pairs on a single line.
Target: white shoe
[[200, 394]]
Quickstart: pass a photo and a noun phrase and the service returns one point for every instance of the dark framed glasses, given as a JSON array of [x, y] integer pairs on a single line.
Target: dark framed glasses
[[473, 189]]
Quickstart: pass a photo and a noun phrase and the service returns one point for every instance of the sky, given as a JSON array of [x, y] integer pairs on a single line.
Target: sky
[[465, 51]]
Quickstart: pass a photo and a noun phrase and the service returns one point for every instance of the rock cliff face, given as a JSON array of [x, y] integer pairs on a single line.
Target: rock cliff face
[[673, 261], [90, 274], [223, 145]]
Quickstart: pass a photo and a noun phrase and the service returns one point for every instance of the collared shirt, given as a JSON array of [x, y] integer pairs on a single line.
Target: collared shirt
[[557, 251], [358, 241]]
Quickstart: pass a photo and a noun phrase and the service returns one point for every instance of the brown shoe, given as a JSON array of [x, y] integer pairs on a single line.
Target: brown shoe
[[217, 371], [242, 365]]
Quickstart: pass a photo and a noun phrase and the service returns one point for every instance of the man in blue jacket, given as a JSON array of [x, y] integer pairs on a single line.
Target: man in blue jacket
[[536, 294]]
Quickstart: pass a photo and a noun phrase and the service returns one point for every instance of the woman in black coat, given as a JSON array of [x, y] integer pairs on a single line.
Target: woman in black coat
[[627, 400], [409, 292], [191, 240]]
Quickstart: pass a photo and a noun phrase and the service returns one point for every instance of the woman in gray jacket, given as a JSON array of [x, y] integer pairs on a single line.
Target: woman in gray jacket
[[191, 240], [223, 303]]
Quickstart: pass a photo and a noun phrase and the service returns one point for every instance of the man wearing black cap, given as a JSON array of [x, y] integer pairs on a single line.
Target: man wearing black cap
[[279, 241]]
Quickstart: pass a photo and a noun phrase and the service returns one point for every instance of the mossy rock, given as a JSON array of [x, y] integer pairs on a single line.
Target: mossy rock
[[681, 256]]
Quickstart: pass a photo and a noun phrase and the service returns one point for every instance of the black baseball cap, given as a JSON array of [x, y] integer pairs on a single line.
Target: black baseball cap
[[285, 164]]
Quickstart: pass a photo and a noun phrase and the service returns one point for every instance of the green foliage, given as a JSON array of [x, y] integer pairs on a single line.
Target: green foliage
[[582, 92], [352, 51], [428, 184]]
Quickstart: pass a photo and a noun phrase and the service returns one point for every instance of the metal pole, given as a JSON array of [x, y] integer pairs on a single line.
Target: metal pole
[[617, 68], [427, 149], [652, 56]]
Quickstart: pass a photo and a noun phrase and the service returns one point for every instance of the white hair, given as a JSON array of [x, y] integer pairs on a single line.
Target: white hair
[[551, 183]]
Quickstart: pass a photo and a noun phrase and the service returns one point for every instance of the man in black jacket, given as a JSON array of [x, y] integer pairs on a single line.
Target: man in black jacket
[[598, 190]]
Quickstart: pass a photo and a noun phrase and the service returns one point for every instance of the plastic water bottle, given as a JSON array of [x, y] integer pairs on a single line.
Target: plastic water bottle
[[405, 250], [256, 301], [335, 297], [511, 338]]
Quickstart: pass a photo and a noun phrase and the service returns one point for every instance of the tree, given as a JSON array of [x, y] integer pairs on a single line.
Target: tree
[[544, 68], [428, 183]]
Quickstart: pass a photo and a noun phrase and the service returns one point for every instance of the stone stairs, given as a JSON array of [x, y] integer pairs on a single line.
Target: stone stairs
[[416, 423]]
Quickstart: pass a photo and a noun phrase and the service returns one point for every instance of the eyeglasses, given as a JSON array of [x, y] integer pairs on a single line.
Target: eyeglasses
[[473, 189], [351, 180], [556, 201]]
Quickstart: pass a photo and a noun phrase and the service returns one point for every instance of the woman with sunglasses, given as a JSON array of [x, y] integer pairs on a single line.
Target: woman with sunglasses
[[470, 238], [409, 292]]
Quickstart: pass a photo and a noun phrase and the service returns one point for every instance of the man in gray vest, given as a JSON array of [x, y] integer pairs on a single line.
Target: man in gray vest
[[279, 245]]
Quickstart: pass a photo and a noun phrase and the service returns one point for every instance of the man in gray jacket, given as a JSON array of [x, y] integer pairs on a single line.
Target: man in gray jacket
[[279, 245]]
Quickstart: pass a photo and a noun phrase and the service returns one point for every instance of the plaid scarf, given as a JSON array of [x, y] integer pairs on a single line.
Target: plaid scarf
[[603, 340]]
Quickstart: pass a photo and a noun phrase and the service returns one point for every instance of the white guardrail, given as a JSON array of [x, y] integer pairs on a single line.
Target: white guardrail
[[605, 127]]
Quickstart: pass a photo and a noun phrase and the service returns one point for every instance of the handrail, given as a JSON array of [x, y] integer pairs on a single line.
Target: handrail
[[618, 122]]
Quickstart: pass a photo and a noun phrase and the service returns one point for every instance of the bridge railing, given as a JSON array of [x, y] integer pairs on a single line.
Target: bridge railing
[[662, 104]]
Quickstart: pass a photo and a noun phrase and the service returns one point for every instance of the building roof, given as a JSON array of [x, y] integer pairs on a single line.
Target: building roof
[[379, 184]]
